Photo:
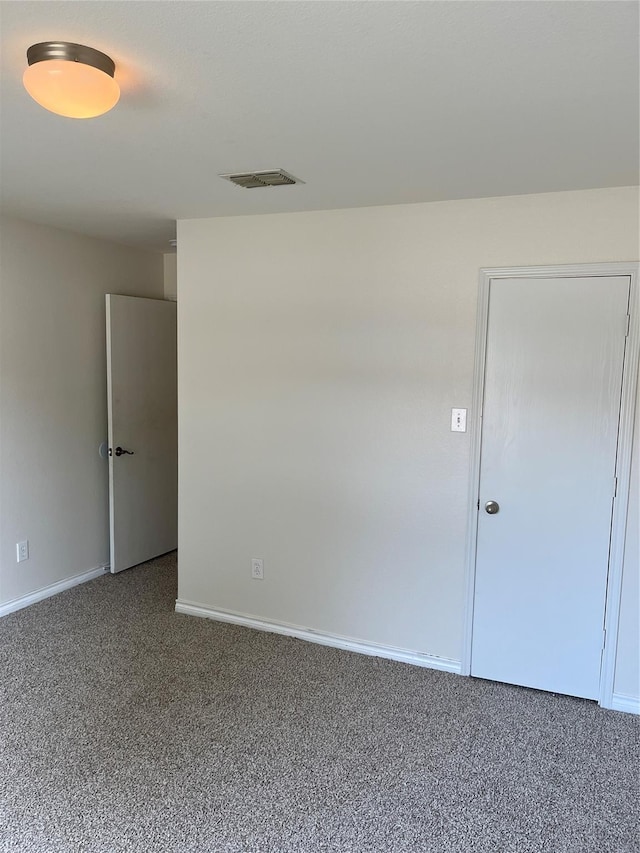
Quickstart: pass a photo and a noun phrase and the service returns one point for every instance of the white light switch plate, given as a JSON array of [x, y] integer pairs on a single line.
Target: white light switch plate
[[458, 420]]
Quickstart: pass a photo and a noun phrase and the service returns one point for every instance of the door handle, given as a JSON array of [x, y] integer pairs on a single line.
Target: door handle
[[492, 507], [121, 452]]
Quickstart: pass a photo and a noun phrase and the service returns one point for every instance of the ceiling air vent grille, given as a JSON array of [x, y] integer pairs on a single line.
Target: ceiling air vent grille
[[269, 178]]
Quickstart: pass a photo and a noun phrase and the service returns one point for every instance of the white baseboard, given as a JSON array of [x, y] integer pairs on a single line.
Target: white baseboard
[[628, 704], [311, 636], [48, 591]]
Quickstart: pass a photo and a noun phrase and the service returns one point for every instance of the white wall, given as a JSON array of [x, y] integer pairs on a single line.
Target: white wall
[[319, 357], [53, 484], [628, 661], [170, 276]]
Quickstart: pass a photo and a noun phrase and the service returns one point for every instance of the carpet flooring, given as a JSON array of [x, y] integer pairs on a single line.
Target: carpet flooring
[[127, 727]]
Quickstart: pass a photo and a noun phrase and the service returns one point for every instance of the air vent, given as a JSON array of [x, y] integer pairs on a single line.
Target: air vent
[[269, 178]]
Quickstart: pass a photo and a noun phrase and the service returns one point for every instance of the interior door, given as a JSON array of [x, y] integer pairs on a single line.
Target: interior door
[[143, 429], [553, 375]]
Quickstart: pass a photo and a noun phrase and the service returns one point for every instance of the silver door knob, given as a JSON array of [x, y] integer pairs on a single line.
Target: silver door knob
[[492, 507]]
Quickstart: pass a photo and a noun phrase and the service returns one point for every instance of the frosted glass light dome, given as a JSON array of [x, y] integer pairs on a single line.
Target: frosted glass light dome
[[71, 80]]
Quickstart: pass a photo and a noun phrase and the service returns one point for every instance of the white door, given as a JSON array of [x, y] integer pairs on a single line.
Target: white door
[[553, 375], [143, 429]]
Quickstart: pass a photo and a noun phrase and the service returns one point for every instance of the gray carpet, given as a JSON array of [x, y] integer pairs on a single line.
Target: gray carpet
[[127, 727]]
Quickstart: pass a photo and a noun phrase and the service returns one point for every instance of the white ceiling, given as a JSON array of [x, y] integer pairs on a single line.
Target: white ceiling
[[368, 102]]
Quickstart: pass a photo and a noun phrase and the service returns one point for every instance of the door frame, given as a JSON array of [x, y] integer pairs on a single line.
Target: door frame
[[623, 459]]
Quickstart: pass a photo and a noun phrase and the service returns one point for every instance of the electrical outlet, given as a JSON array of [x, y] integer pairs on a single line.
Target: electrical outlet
[[22, 551], [257, 568]]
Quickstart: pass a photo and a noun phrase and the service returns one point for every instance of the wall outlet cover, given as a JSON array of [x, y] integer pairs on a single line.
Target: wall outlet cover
[[458, 420]]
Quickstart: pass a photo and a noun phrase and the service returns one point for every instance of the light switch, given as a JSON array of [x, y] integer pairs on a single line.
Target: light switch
[[458, 420]]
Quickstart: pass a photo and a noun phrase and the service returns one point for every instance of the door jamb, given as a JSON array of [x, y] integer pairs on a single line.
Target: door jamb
[[623, 460]]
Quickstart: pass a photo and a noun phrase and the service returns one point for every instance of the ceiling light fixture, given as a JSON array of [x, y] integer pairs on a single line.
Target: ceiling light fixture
[[71, 80]]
